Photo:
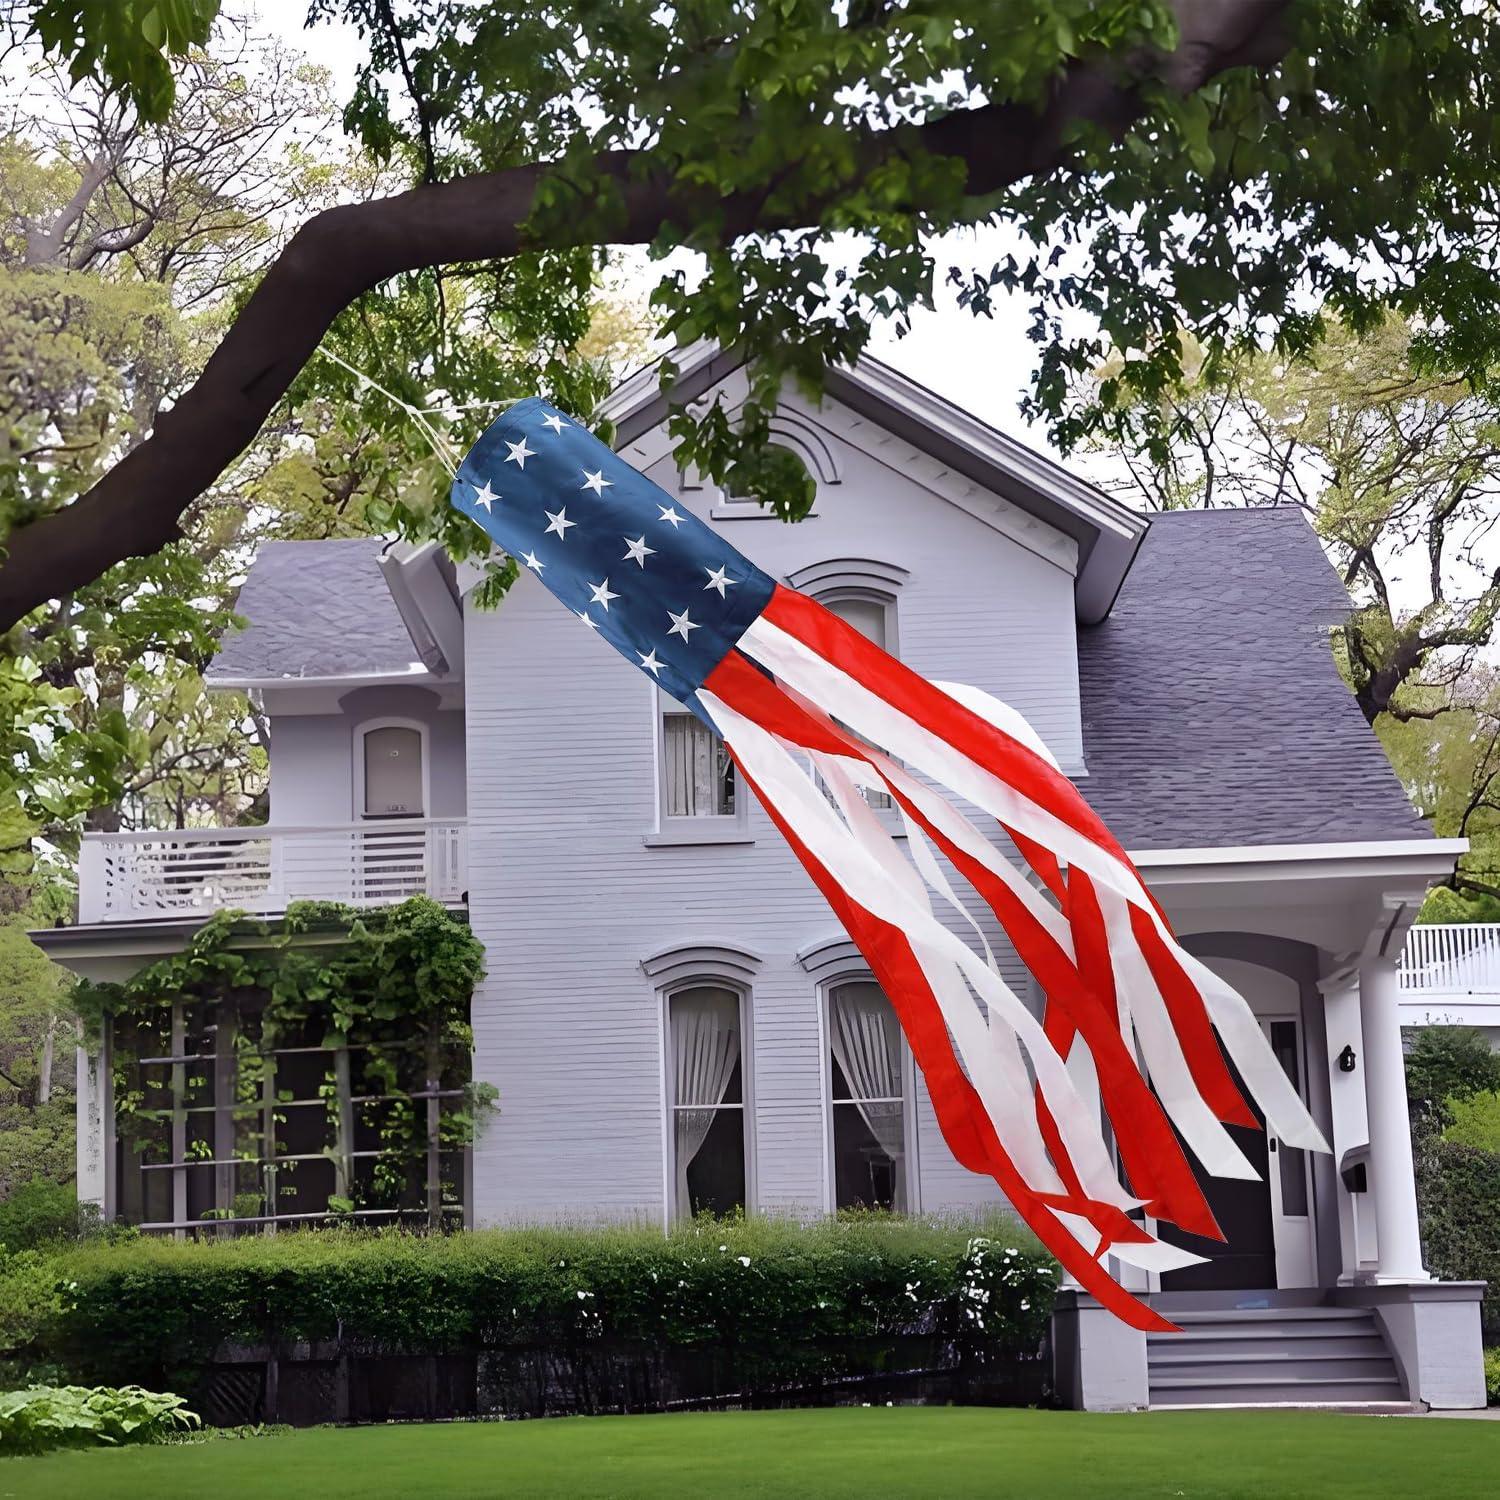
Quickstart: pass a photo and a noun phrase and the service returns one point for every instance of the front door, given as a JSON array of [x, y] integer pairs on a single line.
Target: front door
[[1290, 1178], [1268, 1228]]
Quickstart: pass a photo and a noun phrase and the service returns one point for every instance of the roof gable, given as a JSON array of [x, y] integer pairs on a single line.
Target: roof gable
[[1107, 533]]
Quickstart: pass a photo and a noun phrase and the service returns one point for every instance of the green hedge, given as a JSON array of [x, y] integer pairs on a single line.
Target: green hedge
[[1458, 1192], [153, 1311]]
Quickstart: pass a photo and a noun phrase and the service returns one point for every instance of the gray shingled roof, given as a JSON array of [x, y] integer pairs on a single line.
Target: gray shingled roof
[[315, 609], [1213, 713]]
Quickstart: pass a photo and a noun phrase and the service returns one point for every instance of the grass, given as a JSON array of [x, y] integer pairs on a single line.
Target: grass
[[858, 1453]]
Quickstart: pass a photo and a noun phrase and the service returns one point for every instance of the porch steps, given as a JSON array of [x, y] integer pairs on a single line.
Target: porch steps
[[1260, 1356]]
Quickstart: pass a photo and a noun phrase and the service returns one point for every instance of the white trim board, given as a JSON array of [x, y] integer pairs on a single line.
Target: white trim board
[[1397, 857]]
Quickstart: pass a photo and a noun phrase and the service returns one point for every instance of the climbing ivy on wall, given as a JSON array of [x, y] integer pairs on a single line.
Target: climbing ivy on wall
[[309, 1068]]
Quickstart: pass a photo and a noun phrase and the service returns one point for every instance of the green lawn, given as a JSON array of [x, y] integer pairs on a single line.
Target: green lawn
[[861, 1453]]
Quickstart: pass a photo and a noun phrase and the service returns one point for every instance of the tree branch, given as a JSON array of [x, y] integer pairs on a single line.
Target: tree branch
[[136, 508]]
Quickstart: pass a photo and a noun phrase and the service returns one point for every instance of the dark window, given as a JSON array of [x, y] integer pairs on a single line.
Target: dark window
[[866, 1080], [706, 1076]]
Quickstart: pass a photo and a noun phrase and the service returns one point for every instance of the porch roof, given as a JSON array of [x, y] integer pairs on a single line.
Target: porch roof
[[316, 610], [1213, 713]]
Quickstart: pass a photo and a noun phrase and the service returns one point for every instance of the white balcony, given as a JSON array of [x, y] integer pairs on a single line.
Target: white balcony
[[188, 872], [1450, 974]]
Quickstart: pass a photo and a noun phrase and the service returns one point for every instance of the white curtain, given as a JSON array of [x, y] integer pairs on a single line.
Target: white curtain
[[695, 768], [866, 1045], [705, 1026]]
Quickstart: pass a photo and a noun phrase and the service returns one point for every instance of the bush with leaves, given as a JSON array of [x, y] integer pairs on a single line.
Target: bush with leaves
[[1458, 1195], [73, 1416], [40, 1212], [1475, 1121], [764, 1290], [1449, 1062]]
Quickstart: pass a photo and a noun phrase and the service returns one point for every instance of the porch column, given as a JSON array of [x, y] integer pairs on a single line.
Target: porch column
[[1393, 1178]]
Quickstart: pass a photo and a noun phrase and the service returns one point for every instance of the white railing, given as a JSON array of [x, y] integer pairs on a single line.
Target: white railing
[[131, 877], [1451, 958]]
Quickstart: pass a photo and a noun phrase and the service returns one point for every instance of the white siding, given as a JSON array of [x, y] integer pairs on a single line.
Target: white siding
[[312, 756], [568, 898]]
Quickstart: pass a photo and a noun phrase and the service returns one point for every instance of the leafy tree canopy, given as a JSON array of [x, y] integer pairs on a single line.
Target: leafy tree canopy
[[1238, 168], [1450, 1062]]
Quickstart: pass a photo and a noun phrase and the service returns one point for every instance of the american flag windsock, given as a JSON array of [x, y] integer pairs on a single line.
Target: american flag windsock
[[814, 715]]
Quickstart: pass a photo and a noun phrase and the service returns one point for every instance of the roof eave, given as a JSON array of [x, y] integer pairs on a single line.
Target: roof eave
[[1108, 533]]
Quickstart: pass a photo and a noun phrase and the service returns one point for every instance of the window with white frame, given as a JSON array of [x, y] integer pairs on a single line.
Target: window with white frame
[[697, 775], [866, 1071], [873, 615], [706, 1099], [390, 771]]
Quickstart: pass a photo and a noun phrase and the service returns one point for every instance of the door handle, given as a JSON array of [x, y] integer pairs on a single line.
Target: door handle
[[1271, 1143]]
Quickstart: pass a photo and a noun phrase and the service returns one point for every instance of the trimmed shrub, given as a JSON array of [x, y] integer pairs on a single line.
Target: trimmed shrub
[[1492, 1376], [40, 1212], [767, 1291], [1475, 1121], [72, 1416], [1447, 1062], [1458, 1193]]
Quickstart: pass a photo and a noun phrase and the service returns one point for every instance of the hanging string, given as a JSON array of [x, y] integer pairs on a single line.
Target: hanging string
[[442, 449]]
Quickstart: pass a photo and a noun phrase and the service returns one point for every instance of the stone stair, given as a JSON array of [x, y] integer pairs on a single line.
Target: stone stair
[[1272, 1356]]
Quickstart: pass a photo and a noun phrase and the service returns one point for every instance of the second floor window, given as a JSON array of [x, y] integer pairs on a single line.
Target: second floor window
[[698, 779], [874, 617]]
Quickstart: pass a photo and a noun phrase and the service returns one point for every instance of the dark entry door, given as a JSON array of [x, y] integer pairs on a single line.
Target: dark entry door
[[1247, 1255]]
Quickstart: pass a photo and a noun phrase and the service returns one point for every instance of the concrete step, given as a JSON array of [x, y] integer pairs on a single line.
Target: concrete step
[[1188, 1317], [1264, 1343], [1271, 1390], [1217, 1368], [1272, 1356]]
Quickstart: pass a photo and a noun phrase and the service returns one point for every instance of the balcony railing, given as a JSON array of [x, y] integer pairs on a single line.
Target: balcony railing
[[1451, 959], [133, 877]]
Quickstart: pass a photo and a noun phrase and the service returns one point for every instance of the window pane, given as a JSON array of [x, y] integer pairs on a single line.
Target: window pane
[[393, 773], [866, 615], [865, 1077], [699, 775], [1293, 1160], [708, 1117]]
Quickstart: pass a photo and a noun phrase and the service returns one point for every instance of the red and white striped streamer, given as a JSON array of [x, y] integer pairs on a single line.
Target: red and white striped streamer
[[801, 706]]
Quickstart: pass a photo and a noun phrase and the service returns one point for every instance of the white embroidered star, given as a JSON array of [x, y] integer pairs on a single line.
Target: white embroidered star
[[558, 523], [533, 562], [637, 551], [602, 593], [718, 580], [596, 482], [555, 422], [681, 625], [484, 496], [519, 453], [649, 661], [669, 513], [588, 619]]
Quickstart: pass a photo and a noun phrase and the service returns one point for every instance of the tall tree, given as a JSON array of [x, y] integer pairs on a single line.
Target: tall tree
[[1215, 164], [1397, 465]]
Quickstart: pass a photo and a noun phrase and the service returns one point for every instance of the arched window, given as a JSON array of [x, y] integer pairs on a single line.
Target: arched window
[[867, 1076], [873, 614], [390, 769], [707, 1125]]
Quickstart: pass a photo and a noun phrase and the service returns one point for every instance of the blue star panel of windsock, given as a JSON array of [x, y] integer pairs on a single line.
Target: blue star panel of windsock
[[666, 591]]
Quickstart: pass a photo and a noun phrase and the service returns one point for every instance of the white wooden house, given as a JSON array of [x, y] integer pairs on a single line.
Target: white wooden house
[[673, 1019]]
